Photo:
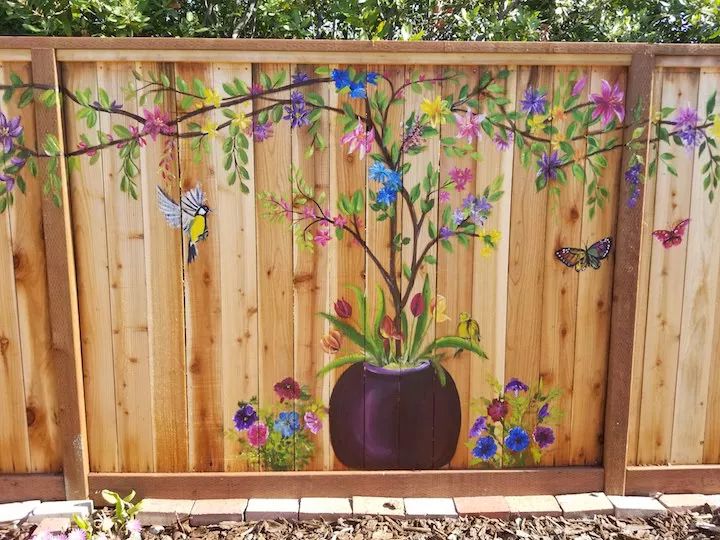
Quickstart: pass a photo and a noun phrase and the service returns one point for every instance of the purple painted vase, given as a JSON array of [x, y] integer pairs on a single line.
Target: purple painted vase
[[388, 419]]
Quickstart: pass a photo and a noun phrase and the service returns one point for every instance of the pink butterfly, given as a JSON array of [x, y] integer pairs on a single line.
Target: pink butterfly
[[674, 237]]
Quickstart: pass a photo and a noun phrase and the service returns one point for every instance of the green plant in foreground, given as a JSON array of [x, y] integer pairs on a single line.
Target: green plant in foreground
[[118, 521]]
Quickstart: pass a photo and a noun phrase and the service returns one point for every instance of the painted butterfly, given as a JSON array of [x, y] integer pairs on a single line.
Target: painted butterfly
[[674, 237], [580, 259]]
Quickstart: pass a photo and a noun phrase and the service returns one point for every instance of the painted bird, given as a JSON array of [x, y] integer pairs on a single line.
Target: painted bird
[[468, 328], [190, 215]]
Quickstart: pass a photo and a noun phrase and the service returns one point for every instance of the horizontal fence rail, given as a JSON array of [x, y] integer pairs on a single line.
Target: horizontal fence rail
[[128, 358]]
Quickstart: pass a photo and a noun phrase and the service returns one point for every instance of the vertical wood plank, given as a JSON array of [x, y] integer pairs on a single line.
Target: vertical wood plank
[[645, 247], [203, 323], [236, 229], [87, 198], [62, 288], [454, 277], [667, 270], [347, 175], [273, 160], [563, 227], [711, 445], [625, 288], [702, 273], [14, 446], [490, 277], [163, 268], [594, 304], [128, 291], [527, 254], [311, 267]]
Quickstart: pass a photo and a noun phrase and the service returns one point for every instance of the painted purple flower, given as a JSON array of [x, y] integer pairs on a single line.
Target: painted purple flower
[[632, 177], [478, 426], [257, 435], [516, 386], [548, 165], [261, 132], [690, 137], [444, 196], [10, 129], [445, 232], [543, 412], [8, 180], [256, 89], [156, 122], [544, 436], [469, 202], [686, 121], [503, 143], [579, 86], [288, 388], [497, 410], [17, 161], [297, 112], [245, 417], [300, 77], [412, 137], [458, 216], [114, 106], [312, 422], [482, 204], [608, 103], [533, 101]]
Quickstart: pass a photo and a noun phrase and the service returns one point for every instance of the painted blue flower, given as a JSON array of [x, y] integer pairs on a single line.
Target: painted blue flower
[[543, 412], [371, 77], [482, 205], [485, 448], [517, 439], [378, 171], [341, 78], [287, 423], [357, 90], [386, 195], [478, 427], [446, 233], [533, 101], [245, 417], [394, 180], [516, 386]]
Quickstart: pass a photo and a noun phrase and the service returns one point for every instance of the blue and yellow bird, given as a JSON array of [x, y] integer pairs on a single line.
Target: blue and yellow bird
[[190, 215]]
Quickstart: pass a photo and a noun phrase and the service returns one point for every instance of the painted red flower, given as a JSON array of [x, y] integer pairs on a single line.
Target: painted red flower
[[497, 410], [343, 309], [288, 388], [417, 305], [388, 330]]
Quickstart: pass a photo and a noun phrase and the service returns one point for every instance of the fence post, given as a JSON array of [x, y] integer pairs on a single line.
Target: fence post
[[625, 285], [63, 305]]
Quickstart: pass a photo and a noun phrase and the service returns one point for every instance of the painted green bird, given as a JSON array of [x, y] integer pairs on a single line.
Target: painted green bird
[[190, 215], [468, 328]]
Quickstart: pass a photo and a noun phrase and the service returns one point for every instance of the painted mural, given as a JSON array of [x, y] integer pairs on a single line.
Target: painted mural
[[393, 405]]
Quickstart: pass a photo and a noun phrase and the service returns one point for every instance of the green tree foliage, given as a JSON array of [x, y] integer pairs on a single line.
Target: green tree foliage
[[690, 21]]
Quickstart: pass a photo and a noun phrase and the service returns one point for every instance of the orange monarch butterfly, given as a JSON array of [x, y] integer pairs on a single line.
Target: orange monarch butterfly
[[674, 237], [580, 259]]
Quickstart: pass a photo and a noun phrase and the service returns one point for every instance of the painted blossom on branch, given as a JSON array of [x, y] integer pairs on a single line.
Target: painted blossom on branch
[[10, 130], [609, 103]]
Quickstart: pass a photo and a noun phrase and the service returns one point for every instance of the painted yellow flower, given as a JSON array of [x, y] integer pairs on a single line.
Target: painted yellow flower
[[486, 251], [495, 237], [556, 140], [715, 128], [241, 120], [211, 98], [557, 112], [210, 129], [438, 307], [536, 123], [436, 110]]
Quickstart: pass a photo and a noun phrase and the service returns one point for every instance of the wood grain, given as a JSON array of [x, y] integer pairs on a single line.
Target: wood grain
[[673, 479], [26, 487]]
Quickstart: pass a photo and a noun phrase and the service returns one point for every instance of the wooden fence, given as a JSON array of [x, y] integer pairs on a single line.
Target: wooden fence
[[123, 364]]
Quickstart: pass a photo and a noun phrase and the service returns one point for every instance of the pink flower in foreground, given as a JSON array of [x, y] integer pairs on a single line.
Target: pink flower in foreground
[[359, 139], [579, 86], [156, 122], [257, 434], [461, 177], [322, 236], [608, 103], [468, 125], [312, 422]]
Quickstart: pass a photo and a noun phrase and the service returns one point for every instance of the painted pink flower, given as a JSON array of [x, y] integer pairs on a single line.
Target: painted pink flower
[[285, 206], [444, 196], [312, 422], [256, 89], [322, 236], [156, 123], [461, 177], [257, 434], [579, 86], [468, 125], [359, 139], [84, 146], [340, 221], [309, 212], [137, 134], [608, 103]]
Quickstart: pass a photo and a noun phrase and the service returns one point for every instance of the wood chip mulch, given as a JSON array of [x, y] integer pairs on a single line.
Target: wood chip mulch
[[702, 524]]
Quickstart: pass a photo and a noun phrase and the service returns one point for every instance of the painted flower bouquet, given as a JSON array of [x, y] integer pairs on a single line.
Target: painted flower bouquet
[[280, 438], [514, 427]]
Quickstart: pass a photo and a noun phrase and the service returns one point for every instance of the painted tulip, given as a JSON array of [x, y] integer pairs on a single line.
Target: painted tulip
[[331, 342], [343, 309], [388, 329], [417, 305]]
